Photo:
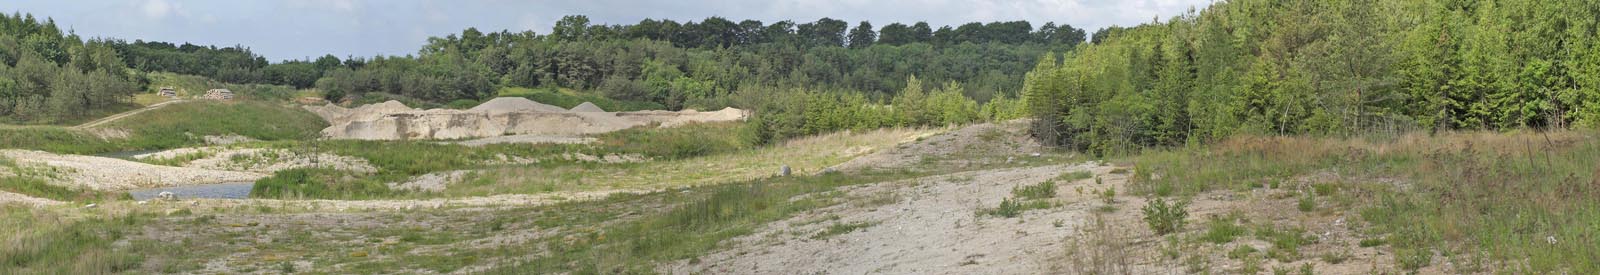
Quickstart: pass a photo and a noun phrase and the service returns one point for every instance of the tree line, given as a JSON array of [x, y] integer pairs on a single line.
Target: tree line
[[48, 76], [688, 64], [1318, 67], [698, 64]]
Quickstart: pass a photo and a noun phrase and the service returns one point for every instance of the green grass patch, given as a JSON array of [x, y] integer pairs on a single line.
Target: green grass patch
[[1285, 242], [692, 140], [1010, 208], [1075, 176], [184, 124], [55, 139], [1043, 190], [317, 183], [1223, 230], [52, 245], [1520, 200]]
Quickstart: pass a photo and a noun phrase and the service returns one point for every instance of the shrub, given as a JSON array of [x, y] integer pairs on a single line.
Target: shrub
[[1010, 208], [1165, 218], [1042, 190], [1307, 203], [1109, 196]]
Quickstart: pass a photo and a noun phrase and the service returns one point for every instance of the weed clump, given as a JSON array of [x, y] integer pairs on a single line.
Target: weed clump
[[1043, 190], [1164, 217], [1221, 231]]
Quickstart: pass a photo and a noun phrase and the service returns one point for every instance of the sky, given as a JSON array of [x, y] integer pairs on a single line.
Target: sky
[[301, 29]]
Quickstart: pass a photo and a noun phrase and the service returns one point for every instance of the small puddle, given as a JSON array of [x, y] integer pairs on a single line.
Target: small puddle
[[126, 155], [231, 190]]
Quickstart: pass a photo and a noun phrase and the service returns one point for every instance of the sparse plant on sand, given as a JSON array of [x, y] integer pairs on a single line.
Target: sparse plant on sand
[[1164, 217]]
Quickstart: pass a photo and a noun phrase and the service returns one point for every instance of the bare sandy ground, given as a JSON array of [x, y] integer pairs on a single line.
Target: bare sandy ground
[[497, 117], [932, 228], [109, 174], [260, 160]]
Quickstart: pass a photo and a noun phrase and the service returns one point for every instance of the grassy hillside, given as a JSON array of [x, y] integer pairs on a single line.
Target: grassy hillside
[[187, 123], [1518, 202], [54, 139], [177, 125]]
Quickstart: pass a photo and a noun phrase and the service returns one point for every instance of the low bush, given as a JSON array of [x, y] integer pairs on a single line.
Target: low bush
[[1164, 217]]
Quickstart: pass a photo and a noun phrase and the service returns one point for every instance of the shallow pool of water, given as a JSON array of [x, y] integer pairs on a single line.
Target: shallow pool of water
[[125, 154], [231, 190]]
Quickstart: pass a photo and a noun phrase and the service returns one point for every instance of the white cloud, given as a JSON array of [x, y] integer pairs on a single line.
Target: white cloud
[[156, 9]]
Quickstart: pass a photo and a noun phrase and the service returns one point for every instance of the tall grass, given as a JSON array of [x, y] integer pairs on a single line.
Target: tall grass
[[41, 242], [1524, 201], [55, 139]]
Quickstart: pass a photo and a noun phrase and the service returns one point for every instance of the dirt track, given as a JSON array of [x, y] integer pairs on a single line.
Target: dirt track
[[122, 115], [932, 228]]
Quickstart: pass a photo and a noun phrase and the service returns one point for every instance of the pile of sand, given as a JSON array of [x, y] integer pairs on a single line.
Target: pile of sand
[[587, 107], [504, 116], [515, 104]]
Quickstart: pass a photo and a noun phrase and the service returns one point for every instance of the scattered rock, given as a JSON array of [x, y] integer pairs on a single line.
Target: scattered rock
[[784, 171]]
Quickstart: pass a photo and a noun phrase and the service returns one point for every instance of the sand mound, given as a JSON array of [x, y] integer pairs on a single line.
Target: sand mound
[[498, 117], [587, 107], [107, 174], [515, 104]]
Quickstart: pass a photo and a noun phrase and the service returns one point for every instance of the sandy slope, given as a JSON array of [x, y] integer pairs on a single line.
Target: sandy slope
[[497, 117], [109, 174]]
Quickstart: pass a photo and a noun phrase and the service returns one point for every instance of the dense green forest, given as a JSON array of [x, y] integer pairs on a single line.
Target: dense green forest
[[699, 64], [705, 64], [48, 76], [1323, 67]]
